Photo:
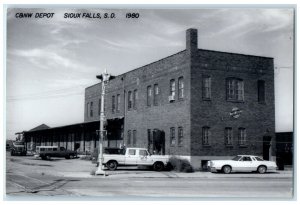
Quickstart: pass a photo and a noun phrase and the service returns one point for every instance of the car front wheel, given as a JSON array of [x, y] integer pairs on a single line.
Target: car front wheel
[[226, 169], [262, 169]]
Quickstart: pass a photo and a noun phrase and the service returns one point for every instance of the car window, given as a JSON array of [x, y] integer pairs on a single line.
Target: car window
[[42, 149], [259, 159], [236, 158], [62, 149], [132, 152], [246, 159], [143, 153], [55, 149]]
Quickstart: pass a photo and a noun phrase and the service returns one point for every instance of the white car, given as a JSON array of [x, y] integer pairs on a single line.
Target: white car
[[242, 163]]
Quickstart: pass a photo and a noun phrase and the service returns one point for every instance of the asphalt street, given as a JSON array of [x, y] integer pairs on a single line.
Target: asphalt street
[[26, 176]]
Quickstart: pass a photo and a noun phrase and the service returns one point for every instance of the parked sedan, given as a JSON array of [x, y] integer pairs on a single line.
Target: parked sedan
[[242, 163]]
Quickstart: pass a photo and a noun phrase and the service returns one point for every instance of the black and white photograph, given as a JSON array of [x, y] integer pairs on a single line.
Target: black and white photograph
[[149, 103]]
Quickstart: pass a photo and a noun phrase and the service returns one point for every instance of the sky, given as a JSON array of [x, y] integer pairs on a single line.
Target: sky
[[49, 62]]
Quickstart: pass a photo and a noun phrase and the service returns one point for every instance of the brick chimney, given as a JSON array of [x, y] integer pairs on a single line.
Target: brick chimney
[[191, 40]]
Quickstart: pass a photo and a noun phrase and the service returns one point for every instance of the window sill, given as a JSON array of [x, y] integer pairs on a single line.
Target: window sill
[[206, 145], [236, 101]]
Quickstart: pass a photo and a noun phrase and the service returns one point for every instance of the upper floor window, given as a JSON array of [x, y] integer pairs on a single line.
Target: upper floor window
[[205, 135], [228, 136], [180, 136], [156, 93], [172, 87], [129, 100], [118, 102], [206, 87], [135, 96], [88, 109], [180, 88], [235, 89], [91, 109], [172, 136], [113, 104], [242, 136], [261, 90], [149, 95]]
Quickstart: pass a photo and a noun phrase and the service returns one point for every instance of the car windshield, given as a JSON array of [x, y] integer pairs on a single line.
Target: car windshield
[[236, 158]]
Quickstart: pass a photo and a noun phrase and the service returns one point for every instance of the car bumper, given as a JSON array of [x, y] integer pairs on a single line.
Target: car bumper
[[212, 169]]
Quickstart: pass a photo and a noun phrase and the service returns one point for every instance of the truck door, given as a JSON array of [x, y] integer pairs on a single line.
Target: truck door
[[131, 157], [144, 158]]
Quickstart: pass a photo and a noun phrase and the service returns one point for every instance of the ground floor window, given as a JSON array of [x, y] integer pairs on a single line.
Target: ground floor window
[[242, 136], [228, 136]]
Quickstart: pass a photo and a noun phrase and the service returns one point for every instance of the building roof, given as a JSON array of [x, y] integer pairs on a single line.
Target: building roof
[[40, 127]]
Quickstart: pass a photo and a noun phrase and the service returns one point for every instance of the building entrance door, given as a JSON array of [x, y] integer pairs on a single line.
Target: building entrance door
[[266, 147], [158, 142]]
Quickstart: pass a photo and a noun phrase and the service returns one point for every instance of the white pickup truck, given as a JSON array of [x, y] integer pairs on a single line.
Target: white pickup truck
[[135, 157]]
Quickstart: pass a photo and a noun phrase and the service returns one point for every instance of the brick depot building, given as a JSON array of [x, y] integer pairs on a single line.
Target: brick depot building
[[199, 104]]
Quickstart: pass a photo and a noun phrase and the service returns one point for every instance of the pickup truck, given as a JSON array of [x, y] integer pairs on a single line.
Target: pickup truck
[[46, 152], [18, 148], [135, 157]]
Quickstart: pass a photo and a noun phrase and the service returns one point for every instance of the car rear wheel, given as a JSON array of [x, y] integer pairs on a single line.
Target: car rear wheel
[[112, 165], [158, 166], [47, 157], [226, 169], [262, 169]]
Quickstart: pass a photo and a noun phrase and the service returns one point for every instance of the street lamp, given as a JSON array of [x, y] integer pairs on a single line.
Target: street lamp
[[105, 77]]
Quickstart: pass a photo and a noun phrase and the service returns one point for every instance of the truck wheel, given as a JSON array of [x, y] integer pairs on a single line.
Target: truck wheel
[[158, 166], [12, 153], [71, 156], [47, 157], [112, 165]]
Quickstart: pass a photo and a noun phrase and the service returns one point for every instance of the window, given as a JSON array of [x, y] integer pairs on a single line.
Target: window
[[129, 100], [172, 136], [242, 136], [91, 109], [172, 87], [131, 151], [246, 159], [205, 135], [180, 88], [206, 87], [235, 89], [134, 137], [143, 153], [113, 104], [149, 95], [54, 149], [261, 91], [228, 136], [156, 93], [118, 102], [135, 95], [129, 137], [258, 159], [180, 136]]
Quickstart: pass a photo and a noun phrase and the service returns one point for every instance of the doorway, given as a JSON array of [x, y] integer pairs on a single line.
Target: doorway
[[266, 147], [156, 142]]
